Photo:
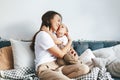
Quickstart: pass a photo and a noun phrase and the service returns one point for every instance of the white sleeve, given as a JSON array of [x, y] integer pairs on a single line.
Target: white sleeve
[[44, 40]]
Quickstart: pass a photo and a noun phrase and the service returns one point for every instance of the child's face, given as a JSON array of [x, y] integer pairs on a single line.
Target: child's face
[[62, 30]]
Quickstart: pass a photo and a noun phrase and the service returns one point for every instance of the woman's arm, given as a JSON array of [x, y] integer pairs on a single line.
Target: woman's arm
[[60, 52], [55, 39], [55, 50]]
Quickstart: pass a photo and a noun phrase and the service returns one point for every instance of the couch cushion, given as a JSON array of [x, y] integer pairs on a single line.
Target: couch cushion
[[110, 43], [80, 47], [4, 43], [96, 45]]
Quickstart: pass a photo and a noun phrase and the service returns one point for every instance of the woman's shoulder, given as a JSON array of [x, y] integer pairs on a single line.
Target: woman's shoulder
[[42, 34]]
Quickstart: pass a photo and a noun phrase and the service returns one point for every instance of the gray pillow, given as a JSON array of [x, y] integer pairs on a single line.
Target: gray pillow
[[114, 68], [99, 62], [106, 53], [111, 56]]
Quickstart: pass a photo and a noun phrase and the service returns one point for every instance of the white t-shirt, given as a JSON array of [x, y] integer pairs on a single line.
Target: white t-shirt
[[43, 42], [64, 39]]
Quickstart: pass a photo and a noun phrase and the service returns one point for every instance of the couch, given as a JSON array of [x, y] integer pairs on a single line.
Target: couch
[[80, 46]]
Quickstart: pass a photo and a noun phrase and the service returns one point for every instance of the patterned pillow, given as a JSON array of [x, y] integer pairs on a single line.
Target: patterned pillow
[[21, 73]]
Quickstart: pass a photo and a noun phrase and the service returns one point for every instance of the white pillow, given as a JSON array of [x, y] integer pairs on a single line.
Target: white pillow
[[22, 54], [86, 57], [106, 53], [114, 68], [99, 62]]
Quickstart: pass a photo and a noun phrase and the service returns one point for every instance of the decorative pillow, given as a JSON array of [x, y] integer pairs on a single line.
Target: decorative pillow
[[6, 58], [22, 54], [86, 57]]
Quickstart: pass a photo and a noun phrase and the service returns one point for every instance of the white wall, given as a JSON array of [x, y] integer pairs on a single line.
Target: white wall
[[86, 19]]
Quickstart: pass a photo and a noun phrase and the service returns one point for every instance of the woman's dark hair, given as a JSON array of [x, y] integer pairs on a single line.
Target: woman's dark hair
[[45, 22]]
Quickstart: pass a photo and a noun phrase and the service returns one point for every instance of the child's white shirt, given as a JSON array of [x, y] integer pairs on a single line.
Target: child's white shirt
[[64, 39]]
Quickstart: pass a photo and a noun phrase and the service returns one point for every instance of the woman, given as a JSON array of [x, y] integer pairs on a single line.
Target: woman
[[46, 50]]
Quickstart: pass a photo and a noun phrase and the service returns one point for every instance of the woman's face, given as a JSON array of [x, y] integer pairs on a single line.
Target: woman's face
[[55, 22]]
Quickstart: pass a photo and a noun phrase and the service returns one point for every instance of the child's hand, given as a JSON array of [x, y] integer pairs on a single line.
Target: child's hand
[[68, 36]]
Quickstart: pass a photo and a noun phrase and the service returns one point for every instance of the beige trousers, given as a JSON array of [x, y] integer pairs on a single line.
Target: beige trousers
[[52, 71]]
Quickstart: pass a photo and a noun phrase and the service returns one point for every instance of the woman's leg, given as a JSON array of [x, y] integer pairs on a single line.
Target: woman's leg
[[50, 71], [52, 75], [75, 70]]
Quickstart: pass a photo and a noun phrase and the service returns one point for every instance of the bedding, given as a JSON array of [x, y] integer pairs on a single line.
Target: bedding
[[96, 74]]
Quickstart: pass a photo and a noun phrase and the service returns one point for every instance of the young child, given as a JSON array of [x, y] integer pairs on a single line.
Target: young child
[[61, 34], [71, 66], [71, 57]]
